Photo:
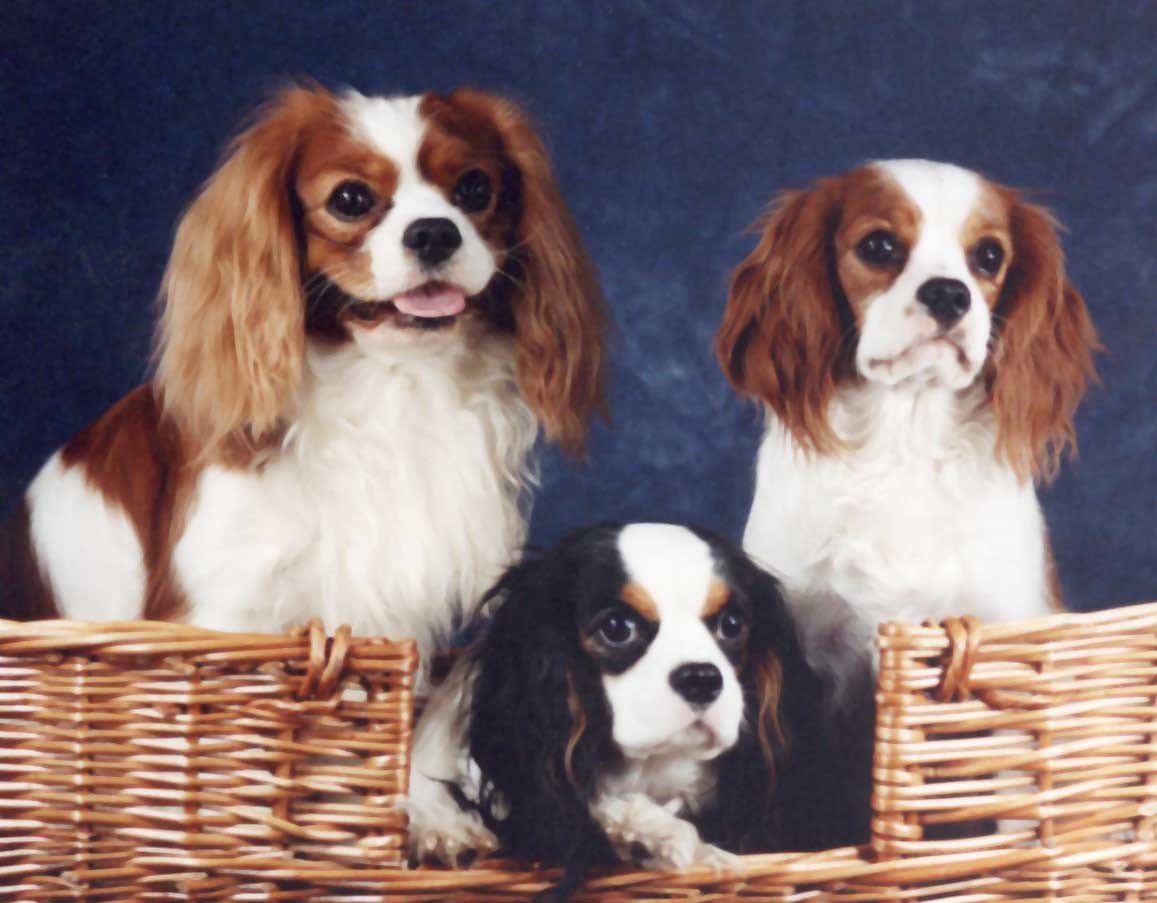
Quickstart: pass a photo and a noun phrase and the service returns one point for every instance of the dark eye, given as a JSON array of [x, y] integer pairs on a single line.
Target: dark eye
[[730, 623], [880, 248], [473, 190], [618, 629], [987, 257], [351, 200]]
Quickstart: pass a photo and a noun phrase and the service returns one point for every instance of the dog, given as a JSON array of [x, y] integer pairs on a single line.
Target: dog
[[910, 330], [371, 310], [638, 695]]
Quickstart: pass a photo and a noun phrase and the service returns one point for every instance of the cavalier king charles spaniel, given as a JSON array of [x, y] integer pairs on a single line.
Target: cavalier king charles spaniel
[[911, 330], [370, 310], [638, 695]]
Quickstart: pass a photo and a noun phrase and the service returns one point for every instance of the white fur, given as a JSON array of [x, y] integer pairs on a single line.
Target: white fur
[[665, 742], [86, 548], [440, 830], [675, 567], [896, 338], [392, 506], [916, 518], [394, 127], [397, 497]]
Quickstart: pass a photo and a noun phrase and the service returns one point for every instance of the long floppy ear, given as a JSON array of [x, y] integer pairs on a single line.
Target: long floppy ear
[[1044, 356], [782, 337], [540, 727], [558, 307], [231, 337], [759, 772], [786, 784]]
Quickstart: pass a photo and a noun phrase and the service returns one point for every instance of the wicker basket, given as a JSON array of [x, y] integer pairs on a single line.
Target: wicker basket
[[154, 762], [151, 761]]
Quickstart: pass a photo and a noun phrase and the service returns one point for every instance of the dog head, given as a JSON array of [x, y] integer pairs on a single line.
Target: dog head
[[379, 222], [906, 274], [625, 644]]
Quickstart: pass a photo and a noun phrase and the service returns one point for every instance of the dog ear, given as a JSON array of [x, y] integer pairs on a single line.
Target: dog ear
[[231, 339], [540, 723], [783, 340], [754, 774], [559, 313], [1044, 356], [783, 786]]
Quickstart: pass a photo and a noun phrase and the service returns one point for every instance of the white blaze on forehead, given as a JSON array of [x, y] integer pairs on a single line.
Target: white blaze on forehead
[[392, 126], [945, 194], [671, 563]]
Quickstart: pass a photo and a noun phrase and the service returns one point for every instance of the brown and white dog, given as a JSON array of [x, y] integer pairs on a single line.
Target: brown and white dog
[[920, 352], [370, 310]]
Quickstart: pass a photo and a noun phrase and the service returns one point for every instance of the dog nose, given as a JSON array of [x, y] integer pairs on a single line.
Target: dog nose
[[699, 683], [947, 300], [432, 239]]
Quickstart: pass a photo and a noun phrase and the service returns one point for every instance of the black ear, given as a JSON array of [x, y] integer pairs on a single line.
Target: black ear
[[541, 725], [748, 814], [776, 786]]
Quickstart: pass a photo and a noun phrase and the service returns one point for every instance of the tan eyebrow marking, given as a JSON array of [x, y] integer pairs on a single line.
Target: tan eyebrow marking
[[640, 600], [718, 593]]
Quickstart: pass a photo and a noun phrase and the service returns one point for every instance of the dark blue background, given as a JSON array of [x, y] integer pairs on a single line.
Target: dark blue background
[[672, 124]]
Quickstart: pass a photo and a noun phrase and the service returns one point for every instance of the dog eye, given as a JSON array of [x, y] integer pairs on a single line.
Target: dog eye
[[473, 190], [618, 629], [351, 200], [729, 624], [987, 257], [880, 248]]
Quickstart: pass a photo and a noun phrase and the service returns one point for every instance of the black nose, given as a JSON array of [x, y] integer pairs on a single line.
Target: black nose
[[699, 683], [432, 239], [947, 300]]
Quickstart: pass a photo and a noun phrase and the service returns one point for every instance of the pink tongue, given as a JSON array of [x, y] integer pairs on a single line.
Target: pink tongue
[[443, 301]]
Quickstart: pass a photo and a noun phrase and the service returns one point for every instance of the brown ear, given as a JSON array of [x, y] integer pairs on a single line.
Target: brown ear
[[767, 680], [558, 307], [231, 337], [1044, 354], [781, 340]]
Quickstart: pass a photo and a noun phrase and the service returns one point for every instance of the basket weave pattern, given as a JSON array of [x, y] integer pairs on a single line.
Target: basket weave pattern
[[150, 761], [154, 762]]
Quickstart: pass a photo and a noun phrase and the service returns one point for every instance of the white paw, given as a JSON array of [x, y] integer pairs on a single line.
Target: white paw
[[672, 846], [450, 837], [708, 855], [640, 830]]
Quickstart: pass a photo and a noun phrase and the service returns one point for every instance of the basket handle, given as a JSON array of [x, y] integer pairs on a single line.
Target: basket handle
[[956, 665], [327, 659]]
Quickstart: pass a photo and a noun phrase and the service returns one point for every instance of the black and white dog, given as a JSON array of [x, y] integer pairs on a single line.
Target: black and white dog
[[639, 695]]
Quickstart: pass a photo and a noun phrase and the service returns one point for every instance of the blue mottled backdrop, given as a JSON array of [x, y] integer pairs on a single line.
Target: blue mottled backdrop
[[672, 123]]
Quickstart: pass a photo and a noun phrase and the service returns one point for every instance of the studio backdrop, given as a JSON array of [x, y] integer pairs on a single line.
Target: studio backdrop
[[672, 124]]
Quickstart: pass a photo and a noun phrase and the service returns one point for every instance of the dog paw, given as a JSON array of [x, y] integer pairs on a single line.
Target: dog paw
[[642, 831], [673, 848], [721, 862], [453, 838]]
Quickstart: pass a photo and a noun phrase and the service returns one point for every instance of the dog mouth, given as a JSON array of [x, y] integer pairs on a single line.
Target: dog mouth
[[432, 305], [699, 740], [945, 340]]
